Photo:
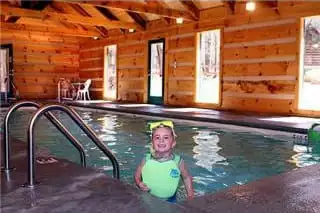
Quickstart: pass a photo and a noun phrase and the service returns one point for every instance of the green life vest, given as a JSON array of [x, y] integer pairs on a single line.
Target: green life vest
[[162, 178]]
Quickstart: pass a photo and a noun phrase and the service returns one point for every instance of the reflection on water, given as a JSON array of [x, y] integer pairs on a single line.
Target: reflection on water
[[207, 148], [304, 156], [107, 130]]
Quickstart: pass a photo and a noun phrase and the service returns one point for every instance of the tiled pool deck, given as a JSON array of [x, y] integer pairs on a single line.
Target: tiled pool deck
[[66, 187]]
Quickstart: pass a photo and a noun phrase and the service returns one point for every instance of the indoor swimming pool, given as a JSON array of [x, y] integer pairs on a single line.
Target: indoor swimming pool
[[218, 156]]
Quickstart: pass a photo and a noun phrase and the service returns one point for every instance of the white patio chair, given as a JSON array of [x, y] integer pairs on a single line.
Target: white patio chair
[[83, 93]]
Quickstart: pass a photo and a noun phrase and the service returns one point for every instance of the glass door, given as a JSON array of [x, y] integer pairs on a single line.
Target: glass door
[[156, 71], [6, 71]]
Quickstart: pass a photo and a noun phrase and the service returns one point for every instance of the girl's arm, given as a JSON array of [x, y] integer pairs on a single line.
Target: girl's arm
[[137, 177], [187, 179]]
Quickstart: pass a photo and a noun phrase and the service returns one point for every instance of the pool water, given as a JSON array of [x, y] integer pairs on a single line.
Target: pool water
[[217, 156]]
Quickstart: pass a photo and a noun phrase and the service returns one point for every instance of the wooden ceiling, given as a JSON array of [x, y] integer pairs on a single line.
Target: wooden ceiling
[[98, 18]]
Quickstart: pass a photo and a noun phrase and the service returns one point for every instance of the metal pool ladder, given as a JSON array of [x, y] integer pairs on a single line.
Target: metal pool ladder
[[51, 118], [45, 110]]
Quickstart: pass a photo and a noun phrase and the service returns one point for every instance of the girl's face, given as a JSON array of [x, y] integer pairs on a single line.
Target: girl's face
[[163, 140]]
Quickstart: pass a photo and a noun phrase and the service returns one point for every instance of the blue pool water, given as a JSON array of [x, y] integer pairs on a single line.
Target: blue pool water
[[217, 156]]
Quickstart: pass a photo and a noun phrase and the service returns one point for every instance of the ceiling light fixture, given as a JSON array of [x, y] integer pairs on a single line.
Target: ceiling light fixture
[[131, 30], [179, 20], [250, 6], [95, 37]]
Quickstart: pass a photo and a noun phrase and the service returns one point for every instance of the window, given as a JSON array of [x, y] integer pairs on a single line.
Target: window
[[110, 72], [208, 67], [309, 84]]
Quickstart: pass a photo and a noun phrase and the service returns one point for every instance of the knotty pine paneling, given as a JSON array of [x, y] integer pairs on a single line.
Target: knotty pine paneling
[[259, 58], [260, 69], [40, 60]]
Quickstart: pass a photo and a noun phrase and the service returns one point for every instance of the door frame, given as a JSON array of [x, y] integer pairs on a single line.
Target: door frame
[[151, 99], [10, 47]]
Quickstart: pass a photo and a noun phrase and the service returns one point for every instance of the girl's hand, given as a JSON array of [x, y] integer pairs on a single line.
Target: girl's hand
[[143, 187], [190, 197]]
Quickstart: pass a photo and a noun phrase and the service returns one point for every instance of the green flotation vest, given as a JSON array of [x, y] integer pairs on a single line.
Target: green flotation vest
[[162, 178]]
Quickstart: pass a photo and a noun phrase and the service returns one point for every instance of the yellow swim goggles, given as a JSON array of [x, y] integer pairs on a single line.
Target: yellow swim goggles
[[157, 124]]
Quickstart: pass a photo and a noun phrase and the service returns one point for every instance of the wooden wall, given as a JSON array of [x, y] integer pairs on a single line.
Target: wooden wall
[[91, 66], [260, 66], [40, 59], [259, 58]]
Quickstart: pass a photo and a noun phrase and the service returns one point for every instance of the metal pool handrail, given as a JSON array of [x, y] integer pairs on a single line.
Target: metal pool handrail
[[77, 119], [51, 118]]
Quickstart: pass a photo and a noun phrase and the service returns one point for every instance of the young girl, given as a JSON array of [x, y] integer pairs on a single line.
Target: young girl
[[159, 172]]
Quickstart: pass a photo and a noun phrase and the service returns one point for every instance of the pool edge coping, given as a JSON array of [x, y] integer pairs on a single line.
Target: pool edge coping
[[201, 119]]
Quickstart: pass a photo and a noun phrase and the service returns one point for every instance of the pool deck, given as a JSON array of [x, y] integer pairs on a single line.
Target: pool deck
[[67, 187], [294, 124], [291, 192]]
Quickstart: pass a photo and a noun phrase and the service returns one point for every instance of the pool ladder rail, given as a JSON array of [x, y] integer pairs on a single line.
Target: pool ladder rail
[[45, 110], [51, 118]]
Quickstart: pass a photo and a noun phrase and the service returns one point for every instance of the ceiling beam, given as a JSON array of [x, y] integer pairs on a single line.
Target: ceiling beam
[[272, 3], [166, 20], [138, 19], [47, 28], [76, 19], [232, 6], [102, 31], [158, 3], [11, 19], [80, 10], [107, 13], [36, 5], [92, 10], [39, 22], [61, 7], [138, 7], [192, 8]]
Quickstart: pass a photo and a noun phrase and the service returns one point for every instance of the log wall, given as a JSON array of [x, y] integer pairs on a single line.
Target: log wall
[[40, 59], [259, 58]]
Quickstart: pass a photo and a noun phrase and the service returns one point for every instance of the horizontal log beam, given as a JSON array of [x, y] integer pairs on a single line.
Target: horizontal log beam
[[76, 19], [192, 8], [46, 30], [138, 7]]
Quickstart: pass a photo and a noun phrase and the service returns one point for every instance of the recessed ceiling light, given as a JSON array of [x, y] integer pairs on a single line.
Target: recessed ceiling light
[[95, 37], [131, 30], [250, 6], [179, 20]]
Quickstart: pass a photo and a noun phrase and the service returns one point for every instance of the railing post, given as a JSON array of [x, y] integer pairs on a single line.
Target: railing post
[[31, 157], [6, 144]]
